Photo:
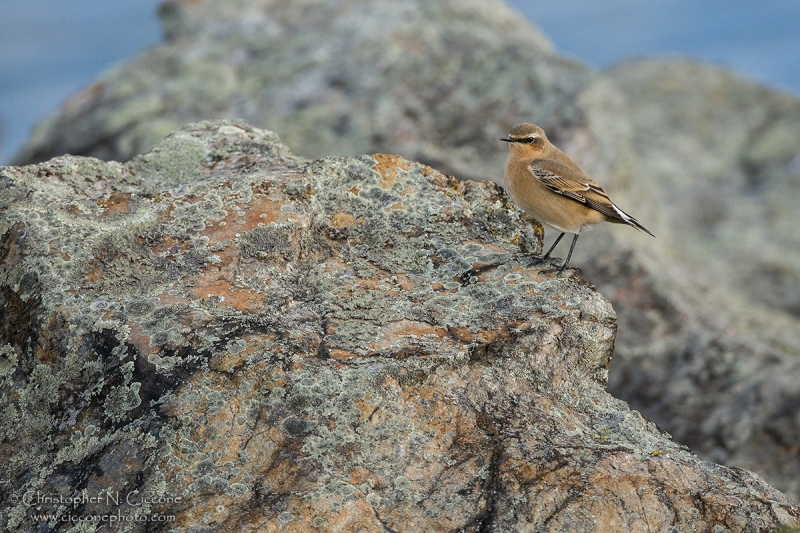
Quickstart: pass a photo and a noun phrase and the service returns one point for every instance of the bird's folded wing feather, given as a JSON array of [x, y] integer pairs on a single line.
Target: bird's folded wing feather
[[565, 181]]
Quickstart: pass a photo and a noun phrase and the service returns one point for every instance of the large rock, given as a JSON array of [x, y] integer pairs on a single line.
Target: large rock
[[709, 310], [225, 333], [709, 343], [438, 81]]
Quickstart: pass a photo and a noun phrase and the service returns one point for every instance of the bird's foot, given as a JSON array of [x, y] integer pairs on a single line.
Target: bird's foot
[[561, 269], [538, 259]]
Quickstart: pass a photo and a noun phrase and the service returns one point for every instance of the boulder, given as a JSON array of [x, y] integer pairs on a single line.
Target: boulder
[[222, 336], [709, 335], [436, 81]]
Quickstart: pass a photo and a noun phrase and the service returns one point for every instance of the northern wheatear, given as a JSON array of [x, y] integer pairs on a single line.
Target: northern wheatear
[[550, 187]]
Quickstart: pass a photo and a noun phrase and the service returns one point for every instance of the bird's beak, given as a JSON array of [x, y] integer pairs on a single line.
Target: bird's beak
[[506, 139]]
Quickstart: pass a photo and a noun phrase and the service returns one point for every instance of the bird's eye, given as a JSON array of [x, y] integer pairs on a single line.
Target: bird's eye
[[530, 140]]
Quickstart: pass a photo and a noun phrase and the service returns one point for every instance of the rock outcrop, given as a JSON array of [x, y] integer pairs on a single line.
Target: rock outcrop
[[709, 162], [224, 333]]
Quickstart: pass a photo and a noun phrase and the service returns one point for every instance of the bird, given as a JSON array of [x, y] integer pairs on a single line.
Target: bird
[[549, 186]]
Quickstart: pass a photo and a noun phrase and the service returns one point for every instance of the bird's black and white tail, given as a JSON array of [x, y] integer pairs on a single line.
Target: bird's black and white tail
[[629, 220]]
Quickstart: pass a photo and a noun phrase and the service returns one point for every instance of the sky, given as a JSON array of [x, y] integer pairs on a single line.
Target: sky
[[50, 49]]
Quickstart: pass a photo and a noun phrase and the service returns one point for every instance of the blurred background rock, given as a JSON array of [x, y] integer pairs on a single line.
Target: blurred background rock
[[706, 158], [51, 49]]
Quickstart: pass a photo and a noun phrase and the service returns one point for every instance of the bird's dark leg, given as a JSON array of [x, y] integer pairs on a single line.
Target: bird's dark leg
[[572, 247], [547, 255]]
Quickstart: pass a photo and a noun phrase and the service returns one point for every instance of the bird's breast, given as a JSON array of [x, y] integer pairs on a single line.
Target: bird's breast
[[546, 206]]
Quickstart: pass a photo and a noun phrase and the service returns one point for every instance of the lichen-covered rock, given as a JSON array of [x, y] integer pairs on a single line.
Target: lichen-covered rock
[[708, 349], [709, 343], [437, 81], [226, 334]]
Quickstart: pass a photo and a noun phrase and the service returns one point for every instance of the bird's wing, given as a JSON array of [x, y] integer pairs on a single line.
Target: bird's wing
[[565, 181], [574, 184]]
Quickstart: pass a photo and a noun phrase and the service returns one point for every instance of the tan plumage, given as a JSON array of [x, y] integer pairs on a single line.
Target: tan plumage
[[550, 187]]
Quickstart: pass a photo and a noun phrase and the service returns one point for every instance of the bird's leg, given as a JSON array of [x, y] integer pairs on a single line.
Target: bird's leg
[[547, 255], [572, 247]]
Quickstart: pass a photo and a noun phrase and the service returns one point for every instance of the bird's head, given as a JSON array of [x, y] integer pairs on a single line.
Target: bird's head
[[526, 140]]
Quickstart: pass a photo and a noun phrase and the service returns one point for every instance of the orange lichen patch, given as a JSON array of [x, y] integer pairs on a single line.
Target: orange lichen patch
[[397, 335], [355, 515], [368, 408], [167, 244], [191, 199], [462, 334], [518, 269], [96, 273], [336, 267], [304, 342], [538, 230], [394, 207], [140, 340], [226, 450], [493, 335], [409, 191], [194, 318], [54, 249], [342, 220], [229, 259], [216, 510], [214, 281], [165, 298], [387, 179], [404, 282], [360, 475], [263, 210], [338, 354], [75, 210], [387, 165], [230, 296], [263, 188], [260, 210], [115, 204]]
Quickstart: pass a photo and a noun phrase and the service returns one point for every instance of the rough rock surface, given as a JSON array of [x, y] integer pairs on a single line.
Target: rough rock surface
[[437, 81], [709, 162], [709, 343], [353, 343]]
